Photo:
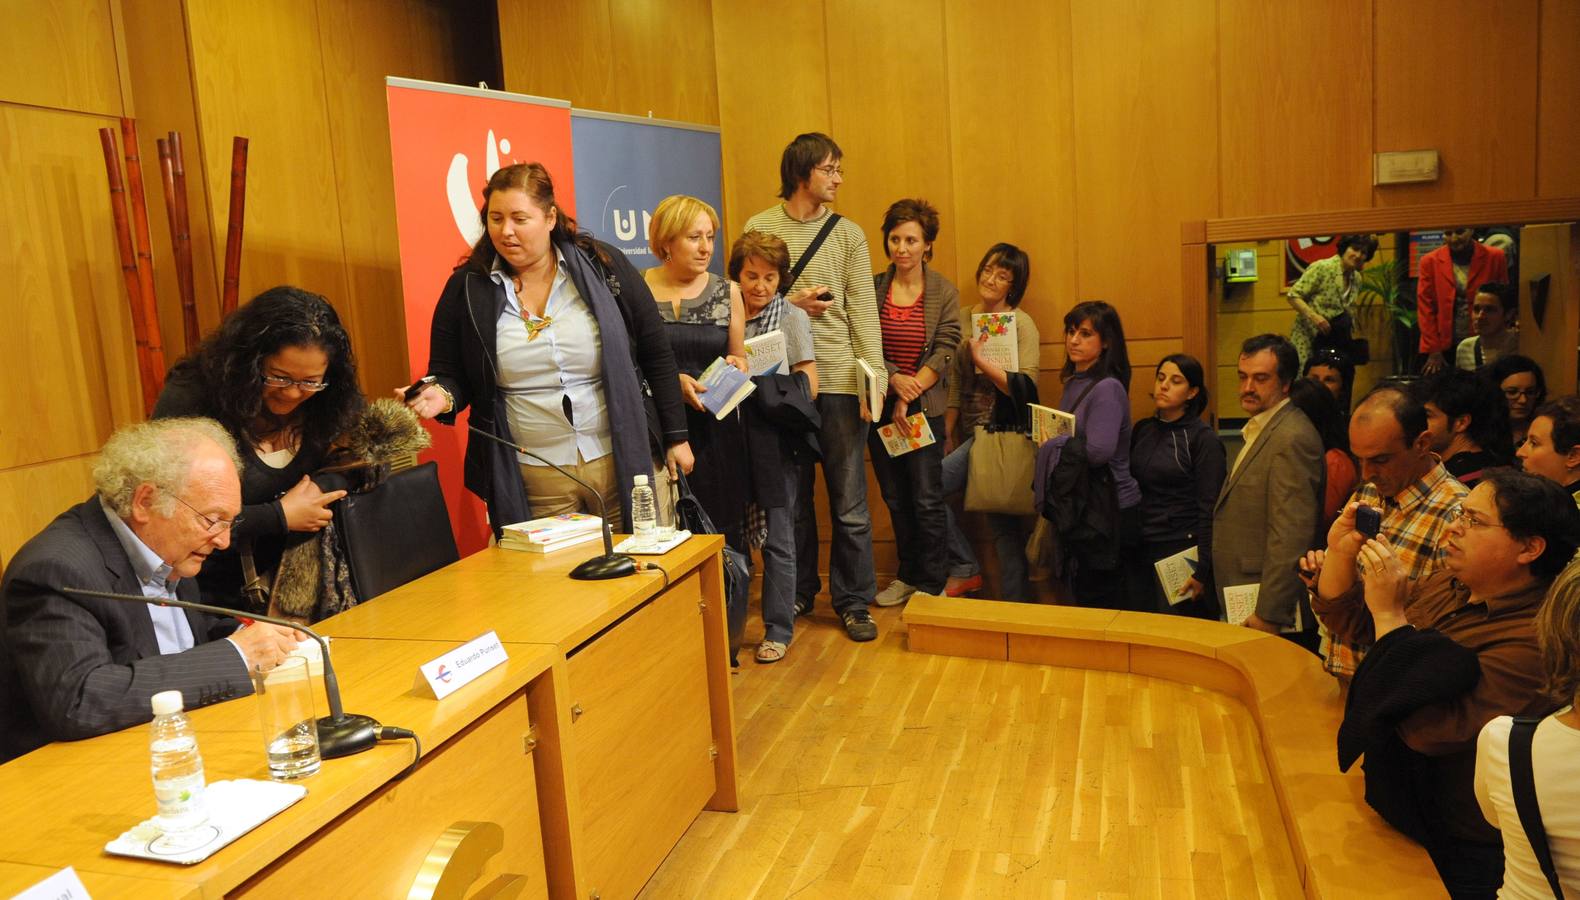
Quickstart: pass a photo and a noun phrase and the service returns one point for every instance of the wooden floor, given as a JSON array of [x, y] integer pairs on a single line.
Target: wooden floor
[[870, 771]]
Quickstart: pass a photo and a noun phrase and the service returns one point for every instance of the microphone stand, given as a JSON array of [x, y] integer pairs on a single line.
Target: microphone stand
[[611, 564], [340, 733]]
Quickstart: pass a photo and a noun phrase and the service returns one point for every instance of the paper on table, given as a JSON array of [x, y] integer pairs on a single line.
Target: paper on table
[[1240, 602], [234, 808], [1174, 571]]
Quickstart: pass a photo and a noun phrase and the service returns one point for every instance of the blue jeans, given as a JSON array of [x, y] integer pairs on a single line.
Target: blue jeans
[[912, 486], [851, 581], [779, 566], [1009, 537]]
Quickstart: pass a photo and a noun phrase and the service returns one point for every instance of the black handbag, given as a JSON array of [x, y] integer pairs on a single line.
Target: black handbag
[[690, 515]]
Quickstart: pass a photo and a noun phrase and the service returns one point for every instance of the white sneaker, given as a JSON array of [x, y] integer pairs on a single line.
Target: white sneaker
[[896, 593]]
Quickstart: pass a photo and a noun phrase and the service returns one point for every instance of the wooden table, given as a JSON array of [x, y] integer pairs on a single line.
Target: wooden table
[[592, 749]]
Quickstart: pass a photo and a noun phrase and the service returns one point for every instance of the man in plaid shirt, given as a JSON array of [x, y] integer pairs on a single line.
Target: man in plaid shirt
[[1402, 477]]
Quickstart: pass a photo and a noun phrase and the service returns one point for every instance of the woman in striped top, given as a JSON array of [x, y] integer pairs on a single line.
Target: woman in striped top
[[919, 314]]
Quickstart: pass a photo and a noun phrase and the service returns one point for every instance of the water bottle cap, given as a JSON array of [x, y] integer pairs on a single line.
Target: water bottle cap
[[640, 480], [167, 702]]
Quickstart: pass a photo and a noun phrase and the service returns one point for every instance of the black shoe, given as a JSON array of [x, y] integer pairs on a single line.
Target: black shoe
[[859, 624], [803, 606]]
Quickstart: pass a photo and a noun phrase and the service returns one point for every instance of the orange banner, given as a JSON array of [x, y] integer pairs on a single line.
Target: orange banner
[[445, 142]]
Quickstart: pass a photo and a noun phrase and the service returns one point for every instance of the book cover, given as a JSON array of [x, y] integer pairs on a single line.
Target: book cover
[[1174, 571], [767, 353], [1239, 602], [1003, 344], [868, 391], [898, 444], [553, 528], [726, 387], [1047, 422]]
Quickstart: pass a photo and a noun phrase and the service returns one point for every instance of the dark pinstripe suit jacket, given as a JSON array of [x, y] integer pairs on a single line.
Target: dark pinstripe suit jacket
[[70, 668]]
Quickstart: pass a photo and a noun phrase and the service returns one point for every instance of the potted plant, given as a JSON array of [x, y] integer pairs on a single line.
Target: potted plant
[[1385, 303]]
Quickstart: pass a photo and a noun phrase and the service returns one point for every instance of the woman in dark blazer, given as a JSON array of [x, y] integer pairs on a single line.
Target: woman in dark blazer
[[919, 313], [554, 341]]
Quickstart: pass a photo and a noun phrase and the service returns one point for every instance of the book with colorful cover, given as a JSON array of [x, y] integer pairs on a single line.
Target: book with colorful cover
[[726, 387], [767, 354], [1174, 571], [1003, 344], [550, 529], [1047, 422], [900, 444]]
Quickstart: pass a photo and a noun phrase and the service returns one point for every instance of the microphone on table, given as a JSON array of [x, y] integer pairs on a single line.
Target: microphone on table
[[340, 733], [611, 564]]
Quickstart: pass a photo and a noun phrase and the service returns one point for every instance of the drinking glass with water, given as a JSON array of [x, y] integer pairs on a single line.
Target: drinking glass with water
[[290, 727]]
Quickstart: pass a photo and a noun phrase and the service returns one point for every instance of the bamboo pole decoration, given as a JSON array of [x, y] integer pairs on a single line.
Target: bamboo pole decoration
[[145, 257], [238, 202], [123, 243], [182, 245]]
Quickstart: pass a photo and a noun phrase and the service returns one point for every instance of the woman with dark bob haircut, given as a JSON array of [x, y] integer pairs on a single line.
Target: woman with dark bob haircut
[[1325, 294], [1178, 462], [978, 382], [554, 340], [1524, 388], [279, 375], [1096, 378]]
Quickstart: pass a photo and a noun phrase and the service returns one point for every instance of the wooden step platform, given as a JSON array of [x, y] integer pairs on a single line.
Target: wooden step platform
[[1341, 847]]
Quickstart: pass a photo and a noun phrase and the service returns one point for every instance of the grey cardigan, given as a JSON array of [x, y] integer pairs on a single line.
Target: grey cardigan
[[941, 309]]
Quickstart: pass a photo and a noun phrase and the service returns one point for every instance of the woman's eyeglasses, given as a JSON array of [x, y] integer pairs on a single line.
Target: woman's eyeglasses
[[280, 381]]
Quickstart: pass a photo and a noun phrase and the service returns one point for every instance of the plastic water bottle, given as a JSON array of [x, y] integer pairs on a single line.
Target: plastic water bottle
[[177, 766], [643, 511]]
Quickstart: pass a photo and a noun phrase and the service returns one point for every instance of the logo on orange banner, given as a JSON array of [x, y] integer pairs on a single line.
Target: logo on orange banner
[[445, 142]]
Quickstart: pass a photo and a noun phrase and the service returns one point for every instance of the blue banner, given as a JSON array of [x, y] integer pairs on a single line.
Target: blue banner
[[625, 165]]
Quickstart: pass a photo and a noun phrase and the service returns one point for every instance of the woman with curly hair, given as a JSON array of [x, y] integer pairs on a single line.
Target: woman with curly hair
[[279, 374]]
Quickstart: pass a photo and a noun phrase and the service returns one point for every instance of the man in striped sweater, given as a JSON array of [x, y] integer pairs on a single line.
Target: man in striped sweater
[[835, 288]]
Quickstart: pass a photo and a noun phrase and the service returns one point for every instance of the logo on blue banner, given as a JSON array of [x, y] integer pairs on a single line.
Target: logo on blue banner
[[626, 165]]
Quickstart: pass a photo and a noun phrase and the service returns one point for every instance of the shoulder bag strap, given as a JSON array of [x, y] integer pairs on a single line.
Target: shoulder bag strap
[[811, 251], [1522, 780], [1478, 352]]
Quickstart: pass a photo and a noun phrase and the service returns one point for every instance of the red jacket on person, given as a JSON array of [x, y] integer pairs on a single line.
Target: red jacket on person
[[1434, 297]]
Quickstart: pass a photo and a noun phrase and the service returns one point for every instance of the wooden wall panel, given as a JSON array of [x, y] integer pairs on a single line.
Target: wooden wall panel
[[573, 65], [993, 125], [1558, 95], [60, 54], [393, 39], [32, 496], [293, 216], [1458, 76], [159, 65], [661, 57], [1296, 126], [1142, 164], [67, 326], [889, 100], [773, 85]]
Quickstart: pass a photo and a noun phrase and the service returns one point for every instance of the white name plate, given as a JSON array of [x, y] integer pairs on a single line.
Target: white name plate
[[445, 675], [63, 885]]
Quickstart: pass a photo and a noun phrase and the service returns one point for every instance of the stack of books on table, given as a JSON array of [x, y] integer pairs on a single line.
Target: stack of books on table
[[552, 533]]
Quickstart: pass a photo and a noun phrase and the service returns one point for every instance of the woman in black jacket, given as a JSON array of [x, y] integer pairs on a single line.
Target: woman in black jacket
[[279, 375], [554, 341], [1178, 461]]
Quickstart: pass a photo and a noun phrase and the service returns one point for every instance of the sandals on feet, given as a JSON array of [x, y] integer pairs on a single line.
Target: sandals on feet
[[770, 651]]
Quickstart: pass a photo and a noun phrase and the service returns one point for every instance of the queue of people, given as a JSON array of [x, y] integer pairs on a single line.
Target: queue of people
[[1383, 539]]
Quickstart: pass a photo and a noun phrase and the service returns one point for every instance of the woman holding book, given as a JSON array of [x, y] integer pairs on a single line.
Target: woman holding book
[[919, 314], [1096, 379], [1178, 462], [978, 383], [550, 336], [705, 321], [777, 444]]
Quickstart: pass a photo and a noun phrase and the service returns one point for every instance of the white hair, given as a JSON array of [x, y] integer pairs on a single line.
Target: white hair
[[157, 453]]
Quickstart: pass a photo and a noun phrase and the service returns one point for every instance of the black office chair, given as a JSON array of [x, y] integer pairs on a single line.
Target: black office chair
[[397, 532]]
